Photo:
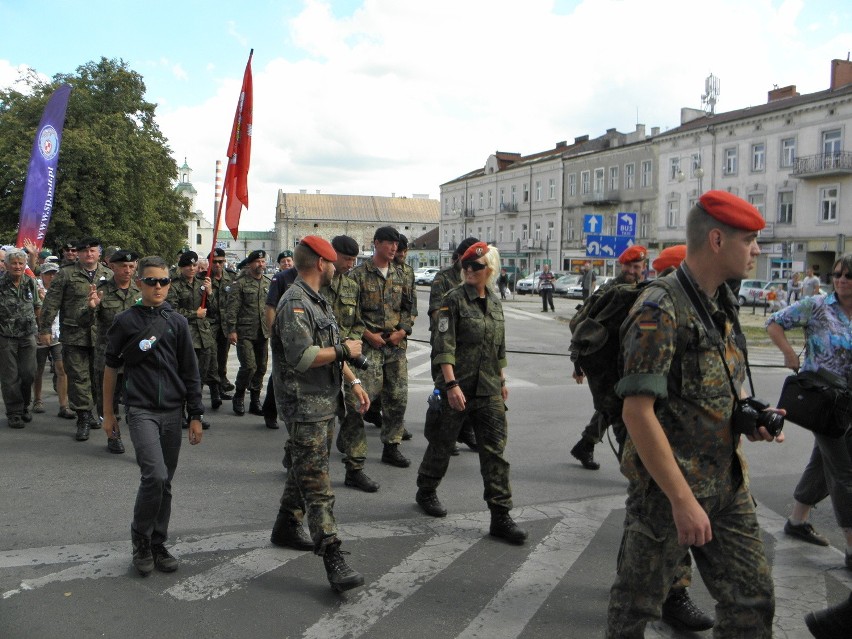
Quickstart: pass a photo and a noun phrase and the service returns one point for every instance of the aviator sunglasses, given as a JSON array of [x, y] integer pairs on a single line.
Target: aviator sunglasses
[[153, 281], [836, 275]]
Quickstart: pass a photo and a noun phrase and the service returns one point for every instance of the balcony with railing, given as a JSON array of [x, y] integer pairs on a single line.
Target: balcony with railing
[[509, 207], [602, 198], [823, 165]]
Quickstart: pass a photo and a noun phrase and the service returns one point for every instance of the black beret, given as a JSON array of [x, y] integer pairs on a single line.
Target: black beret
[[386, 233], [217, 252], [255, 255], [187, 258], [345, 245], [70, 245], [87, 242], [242, 264], [403, 243], [284, 254], [463, 246], [123, 256]]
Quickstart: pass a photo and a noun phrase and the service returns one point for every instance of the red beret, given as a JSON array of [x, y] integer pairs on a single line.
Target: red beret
[[475, 251], [633, 253], [671, 256], [732, 210], [321, 247]]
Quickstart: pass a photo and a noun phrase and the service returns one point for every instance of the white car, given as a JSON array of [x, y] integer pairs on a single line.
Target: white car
[[426, 275], [527, 285]]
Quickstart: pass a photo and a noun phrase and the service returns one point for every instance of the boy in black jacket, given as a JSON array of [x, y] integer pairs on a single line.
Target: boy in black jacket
[[154, 346]]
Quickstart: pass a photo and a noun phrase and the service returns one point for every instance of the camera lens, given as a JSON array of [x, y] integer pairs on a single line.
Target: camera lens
[[773, 422], [360, 362]]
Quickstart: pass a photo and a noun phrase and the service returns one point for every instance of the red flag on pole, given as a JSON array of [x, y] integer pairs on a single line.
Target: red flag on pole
[[239, 156]]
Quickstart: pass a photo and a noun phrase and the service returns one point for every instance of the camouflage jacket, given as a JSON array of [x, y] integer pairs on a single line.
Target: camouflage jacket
[[304, 323], [244, 310], [410, 288], [68, 295], [113, 301], [185, 298], [384, 306], [472, 339], [18, 306], [217, 302], [443, 283], [692, 391], [343, 295]]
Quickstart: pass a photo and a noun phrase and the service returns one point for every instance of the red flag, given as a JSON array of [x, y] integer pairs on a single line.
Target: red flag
[[239, 156]]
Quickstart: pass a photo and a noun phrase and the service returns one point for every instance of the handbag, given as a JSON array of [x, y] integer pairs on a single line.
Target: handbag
[[818, 401]]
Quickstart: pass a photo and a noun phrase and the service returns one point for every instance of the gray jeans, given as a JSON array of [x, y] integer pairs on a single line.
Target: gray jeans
[[156, 437], [829, 472]]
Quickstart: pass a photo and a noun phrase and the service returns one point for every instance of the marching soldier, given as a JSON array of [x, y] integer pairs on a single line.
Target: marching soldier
[[217, 296]]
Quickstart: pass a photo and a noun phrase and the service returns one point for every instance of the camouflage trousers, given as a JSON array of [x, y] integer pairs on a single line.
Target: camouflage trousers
[[596, 428], [733, 565], [385, 378], [253, 355], [307, 490], [219, 358], [17, 371], [80, 368], [98, 388], [487, 415]]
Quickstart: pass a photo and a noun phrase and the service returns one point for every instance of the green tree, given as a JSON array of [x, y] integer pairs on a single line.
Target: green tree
[[115, 178]]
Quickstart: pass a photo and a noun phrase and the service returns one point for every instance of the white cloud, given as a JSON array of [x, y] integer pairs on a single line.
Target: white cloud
[[178, 72]]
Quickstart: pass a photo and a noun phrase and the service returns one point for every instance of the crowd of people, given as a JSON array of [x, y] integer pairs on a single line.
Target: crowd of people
[[138, 333]]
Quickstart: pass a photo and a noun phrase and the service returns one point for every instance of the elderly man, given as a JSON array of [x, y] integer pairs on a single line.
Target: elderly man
[[309, 363], [248, 331], [683, 365], [19, 307], [69, 296]]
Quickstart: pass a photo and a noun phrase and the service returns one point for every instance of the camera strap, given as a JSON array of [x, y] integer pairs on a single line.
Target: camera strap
[[713, 332]]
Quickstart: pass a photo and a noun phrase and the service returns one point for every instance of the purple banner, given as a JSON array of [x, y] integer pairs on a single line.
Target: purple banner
[[40, 188]]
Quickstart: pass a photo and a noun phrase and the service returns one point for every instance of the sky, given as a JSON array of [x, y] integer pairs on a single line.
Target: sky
[[381, 97]]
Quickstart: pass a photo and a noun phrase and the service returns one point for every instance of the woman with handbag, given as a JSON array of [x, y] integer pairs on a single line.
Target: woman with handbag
[[828, 346]]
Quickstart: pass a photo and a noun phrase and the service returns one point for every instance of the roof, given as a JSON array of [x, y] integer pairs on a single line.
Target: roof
[[358, 208], [246, 235], [427, 241]]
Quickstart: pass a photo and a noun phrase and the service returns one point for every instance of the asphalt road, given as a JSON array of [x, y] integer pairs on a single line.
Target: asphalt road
[[66, 508]]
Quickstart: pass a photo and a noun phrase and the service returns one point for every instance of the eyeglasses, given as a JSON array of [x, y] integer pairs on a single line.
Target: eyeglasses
[[153, 281], [219, 261], [837, 276], [473, 265]]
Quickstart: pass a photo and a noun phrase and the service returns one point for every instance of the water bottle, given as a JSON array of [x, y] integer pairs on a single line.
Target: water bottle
[[433, 413], [434, 401]]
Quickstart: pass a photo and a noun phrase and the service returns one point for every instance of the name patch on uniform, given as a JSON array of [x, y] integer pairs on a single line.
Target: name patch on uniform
[[443, 324], [299, 310]]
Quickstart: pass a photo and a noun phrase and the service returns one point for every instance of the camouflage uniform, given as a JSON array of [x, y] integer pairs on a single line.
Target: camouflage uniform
[[17, 341], [68, 295], [309, 400], [216, 305], [113, 301], [244, 315], [473, 340], [409, 288], [694, 407], [185, 298], [384, 308], [443, 283]]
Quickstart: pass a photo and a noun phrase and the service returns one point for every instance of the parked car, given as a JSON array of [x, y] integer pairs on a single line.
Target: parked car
[[752, 292], [576, 291], [564, 284], [527, 284], [425, 275]]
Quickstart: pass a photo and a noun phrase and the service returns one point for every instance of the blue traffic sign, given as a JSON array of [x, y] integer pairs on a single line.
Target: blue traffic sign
[[607, 246], [592, 224], [626, 225]]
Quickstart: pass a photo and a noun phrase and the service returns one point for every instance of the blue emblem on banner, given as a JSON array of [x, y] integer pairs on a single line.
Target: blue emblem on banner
[[48, 142]]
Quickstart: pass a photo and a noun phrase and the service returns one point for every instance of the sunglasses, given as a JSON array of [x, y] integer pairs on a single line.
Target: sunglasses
[[837, 276], [473, 265], [219, 261], [153, 281]]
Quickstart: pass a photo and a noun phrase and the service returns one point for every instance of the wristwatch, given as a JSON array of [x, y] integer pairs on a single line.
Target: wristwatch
[[193, 418], [354, 383]]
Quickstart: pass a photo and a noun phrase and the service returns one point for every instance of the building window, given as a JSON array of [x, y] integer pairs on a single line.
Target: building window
[[470, 203], [599, 180], [499, 233], [537, 232], [831, 148], [644, 223], [479, 232], [788, 152], [569, 230], [526, 193], [198, 238], [785, 207], [674, 169], [629, 175], [490, 199], [730, 161], [481, 200], [538, 190], [758, 201], [551, 226], [572, 184], [828, 204], [502, 196], [758, 157], [524, 231], [446, 206], [646, 174], [672, 214], [512, 233], [551, 188], [613, 178], [514, 194], [488, 233], [584, 182]]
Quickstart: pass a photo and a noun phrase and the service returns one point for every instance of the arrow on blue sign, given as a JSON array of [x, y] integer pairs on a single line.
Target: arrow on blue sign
[[626, 226], [592, 223]]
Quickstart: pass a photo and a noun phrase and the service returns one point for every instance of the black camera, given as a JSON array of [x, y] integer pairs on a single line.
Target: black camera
[[359, 362], [750, 414]]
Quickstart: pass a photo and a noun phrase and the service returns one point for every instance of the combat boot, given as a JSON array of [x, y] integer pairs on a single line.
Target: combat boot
[[585, 452], [15, 421], [164, 561], [114, 445], [83, 426], [143, 559], [428, 500], [392, 456], [831, 623], [289, 533], [359, 479], [240, 402], [271, 421], [254, 404], [215, 399], [504, 527], [340, 575], [679, 611]]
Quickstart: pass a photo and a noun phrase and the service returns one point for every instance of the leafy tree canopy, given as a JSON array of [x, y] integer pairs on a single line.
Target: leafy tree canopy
[[115, 175]]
